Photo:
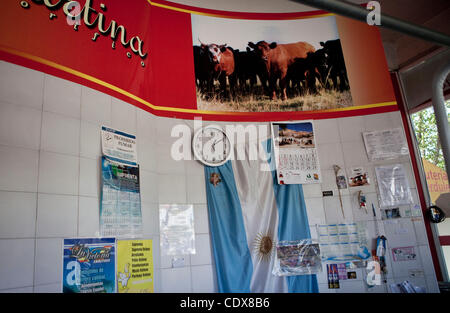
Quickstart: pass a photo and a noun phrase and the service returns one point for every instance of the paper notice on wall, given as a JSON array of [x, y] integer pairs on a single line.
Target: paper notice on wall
[[135, 266], [120, 208], [176, 226], [119, 146], [89, 265], [358, 177], [385, 144], [393, 185], [296, 155]]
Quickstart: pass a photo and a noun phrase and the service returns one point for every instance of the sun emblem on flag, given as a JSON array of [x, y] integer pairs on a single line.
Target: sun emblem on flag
[[263, 246]]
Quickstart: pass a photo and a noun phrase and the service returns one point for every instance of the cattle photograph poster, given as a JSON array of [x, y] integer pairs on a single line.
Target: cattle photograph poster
[[296, 157], [247, 65], [223, 65]]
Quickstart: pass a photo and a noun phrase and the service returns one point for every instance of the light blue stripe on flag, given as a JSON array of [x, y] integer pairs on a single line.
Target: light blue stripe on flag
[[231, 253], [292, 222]]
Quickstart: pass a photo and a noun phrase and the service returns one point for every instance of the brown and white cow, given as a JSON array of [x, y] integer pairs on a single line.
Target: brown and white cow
[[278, 58], [221, 62]]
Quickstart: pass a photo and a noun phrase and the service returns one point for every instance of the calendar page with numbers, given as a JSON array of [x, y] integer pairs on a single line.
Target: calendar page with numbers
[[120, 210], [296, 155]]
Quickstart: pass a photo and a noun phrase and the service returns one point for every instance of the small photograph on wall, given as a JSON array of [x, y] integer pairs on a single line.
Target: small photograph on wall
[[358, 177], [296, 156], [404, 254], [269, 65], [390, 213]]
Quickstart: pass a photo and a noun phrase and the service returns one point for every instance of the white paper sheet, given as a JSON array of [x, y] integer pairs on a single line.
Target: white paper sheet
[[393, 185], [385, 144], [119, 146], [176, 223]]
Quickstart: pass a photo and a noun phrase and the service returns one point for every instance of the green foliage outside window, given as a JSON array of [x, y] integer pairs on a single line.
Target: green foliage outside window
[[424, 123]]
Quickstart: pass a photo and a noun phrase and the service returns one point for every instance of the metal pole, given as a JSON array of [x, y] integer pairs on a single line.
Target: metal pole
[[360, 13], [440, 111]]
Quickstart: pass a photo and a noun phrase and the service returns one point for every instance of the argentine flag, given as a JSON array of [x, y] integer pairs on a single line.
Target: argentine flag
[[246, 208]]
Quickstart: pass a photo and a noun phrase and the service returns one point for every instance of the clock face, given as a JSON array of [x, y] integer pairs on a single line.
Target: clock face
[[211, 146]]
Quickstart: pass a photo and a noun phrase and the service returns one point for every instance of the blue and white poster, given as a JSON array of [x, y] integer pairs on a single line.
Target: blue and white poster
[[119, 146], [120, 210], [89, 265]]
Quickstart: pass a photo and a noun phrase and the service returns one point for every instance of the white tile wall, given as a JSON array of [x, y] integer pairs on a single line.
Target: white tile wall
[[90, 140], [62, 96], [60, 134], [165, 163], [147, 154], [58, 173], [16, 270], [350, 128], [150, 214], [177, 280], [123, 116], [90, 177], [203, 250], [201, 221], [17, 214], [19, 168], [88, 216], [48, 261], [203, 279], [20, 126], [95, 106], [21, 86], [171, 189], [196, 189], [57, 215], [49, 187]]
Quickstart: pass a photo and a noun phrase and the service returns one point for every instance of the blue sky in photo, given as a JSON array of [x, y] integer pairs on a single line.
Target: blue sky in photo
[[307, 127]]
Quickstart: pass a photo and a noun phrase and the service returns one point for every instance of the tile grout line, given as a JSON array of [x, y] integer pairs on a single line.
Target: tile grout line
[[37, 187], [79, 167]]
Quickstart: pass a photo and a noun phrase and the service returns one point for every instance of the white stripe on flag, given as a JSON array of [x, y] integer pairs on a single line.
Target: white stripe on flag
[[260, 213]]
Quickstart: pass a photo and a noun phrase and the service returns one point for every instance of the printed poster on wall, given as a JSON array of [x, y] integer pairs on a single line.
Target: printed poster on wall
[[89, 265], [119, 146], [182, 61], [135, 266], [296, 157], [120, 208]]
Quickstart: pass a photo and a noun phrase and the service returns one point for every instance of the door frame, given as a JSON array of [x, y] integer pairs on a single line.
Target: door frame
[[419, 175]]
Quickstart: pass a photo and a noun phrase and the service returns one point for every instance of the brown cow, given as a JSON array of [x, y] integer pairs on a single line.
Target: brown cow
[[278, 58], [221, 59]]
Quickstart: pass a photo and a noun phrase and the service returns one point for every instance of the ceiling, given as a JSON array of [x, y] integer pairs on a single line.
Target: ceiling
[[402, 50]]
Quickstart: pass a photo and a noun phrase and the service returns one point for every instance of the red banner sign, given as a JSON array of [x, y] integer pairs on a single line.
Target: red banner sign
[[180, 61]]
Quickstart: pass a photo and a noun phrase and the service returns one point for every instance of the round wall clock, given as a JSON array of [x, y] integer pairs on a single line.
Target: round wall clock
[[211, 146]]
